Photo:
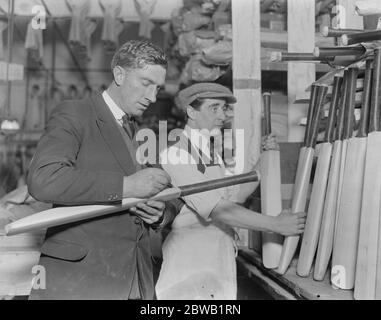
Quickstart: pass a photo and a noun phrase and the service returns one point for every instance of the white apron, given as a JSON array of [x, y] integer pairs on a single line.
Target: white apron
[[198, 257]]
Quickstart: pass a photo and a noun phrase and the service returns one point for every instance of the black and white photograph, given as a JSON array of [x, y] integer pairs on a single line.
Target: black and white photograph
[[190, 156]]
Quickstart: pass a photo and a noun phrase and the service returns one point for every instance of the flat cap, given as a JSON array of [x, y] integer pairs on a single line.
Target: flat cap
[[204, 90]]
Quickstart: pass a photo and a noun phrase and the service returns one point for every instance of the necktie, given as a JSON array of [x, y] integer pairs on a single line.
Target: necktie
[[212, 153], [129, 126]]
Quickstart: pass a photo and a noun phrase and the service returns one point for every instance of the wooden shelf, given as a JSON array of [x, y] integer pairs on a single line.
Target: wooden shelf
[[288, 286], [282, 66], [279, 39]]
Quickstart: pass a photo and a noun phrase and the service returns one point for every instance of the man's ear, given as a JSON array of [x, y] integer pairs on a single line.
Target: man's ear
[[119, 75], [190, 113]]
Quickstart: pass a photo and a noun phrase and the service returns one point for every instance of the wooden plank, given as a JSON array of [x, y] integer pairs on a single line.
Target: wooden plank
[[279, 39], [282, 66], [302, 288], [247, 83], [247, 72], [301, 38]]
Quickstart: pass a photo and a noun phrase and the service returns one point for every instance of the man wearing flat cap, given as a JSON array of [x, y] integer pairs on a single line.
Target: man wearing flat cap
[[199, 252]]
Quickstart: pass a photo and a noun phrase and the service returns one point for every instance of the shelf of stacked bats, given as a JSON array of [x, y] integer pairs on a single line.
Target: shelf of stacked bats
[[338, 180], [356, 45]]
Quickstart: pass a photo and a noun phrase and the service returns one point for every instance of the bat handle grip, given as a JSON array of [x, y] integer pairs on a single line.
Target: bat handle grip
[[219, 183], [267, 112]]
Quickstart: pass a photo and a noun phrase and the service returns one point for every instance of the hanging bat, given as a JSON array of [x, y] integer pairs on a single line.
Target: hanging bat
[[358, 37]]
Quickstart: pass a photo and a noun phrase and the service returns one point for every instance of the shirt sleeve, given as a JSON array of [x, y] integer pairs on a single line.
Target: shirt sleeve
[[202, 203]]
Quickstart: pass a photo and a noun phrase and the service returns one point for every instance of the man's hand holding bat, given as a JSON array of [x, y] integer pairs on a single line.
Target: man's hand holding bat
[[144, 184]]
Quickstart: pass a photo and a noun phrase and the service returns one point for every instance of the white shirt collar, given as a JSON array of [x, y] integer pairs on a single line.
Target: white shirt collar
[[117, 112]]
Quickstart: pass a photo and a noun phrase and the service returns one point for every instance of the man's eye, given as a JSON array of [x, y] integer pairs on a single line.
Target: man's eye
[[228, 108], [146, 83]]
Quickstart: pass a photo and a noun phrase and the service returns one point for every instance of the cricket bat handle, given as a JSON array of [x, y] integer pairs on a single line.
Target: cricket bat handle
[[219, 183]]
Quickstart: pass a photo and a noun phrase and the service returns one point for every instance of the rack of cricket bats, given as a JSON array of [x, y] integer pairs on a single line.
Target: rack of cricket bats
[[342, 233]]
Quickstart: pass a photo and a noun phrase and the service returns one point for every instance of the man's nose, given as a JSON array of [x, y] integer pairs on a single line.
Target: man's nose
[[221, 114], [151, 94]]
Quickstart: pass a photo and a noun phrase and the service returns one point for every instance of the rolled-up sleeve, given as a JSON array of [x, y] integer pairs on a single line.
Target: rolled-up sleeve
[[202, 203]]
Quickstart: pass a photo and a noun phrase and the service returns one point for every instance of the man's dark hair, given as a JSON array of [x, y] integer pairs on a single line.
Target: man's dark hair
[[72, 87], [196, 104], [137, 54]]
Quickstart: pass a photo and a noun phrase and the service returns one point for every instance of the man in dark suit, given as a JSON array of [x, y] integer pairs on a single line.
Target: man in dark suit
[[87, 155]]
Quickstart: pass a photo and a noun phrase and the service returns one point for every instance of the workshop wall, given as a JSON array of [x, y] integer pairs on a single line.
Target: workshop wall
[[67, 74]]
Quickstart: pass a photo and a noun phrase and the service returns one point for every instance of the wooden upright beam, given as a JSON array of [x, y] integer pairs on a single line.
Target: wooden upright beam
[[247, 74], [301, 38], [247, 83]]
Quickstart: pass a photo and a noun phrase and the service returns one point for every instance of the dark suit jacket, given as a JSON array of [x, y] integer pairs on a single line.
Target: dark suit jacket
[[81, 159]]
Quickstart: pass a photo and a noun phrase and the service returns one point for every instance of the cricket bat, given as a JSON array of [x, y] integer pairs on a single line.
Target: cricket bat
[[367, 262], [303, 174], [327, 229], [331, 32], [310, 113], [63, 215], [271, 198], [344, 253], [315, 207], [358, 37], [344, 146]]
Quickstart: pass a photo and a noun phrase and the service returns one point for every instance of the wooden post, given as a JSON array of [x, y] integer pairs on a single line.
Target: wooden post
[[247, 73], [301, 38], [247, 79]]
